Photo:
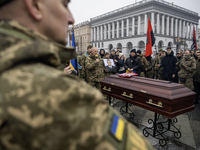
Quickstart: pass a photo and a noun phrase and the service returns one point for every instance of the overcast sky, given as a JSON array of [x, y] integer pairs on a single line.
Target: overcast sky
[[83, 10]]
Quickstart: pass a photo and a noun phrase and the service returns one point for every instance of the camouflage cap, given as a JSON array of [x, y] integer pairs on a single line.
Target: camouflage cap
[[3, 2], [161, 50]]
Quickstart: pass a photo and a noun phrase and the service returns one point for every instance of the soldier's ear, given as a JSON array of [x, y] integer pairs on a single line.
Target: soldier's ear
[[34, 8]]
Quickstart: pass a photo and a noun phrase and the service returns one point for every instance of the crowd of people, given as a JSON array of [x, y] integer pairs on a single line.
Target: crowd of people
[[184, 68]]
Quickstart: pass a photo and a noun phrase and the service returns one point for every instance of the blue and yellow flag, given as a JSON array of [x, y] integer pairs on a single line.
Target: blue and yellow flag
[[117, 128], [73, 62]]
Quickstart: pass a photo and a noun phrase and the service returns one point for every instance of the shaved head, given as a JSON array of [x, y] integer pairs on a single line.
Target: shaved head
[[48, 17]]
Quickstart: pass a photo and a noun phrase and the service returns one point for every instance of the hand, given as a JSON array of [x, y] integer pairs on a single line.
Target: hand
[[115, 60], [146, 69], [67, 70], [97, 60], [158, 65], [173, 76], [132, 70], [129, 69]]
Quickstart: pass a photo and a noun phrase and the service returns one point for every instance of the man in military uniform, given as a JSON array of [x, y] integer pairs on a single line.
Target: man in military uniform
[[148, 71], [156, 60], [144, 62], [40, 107], [82, 72], [197, 78], [94, 68], [187, 67]]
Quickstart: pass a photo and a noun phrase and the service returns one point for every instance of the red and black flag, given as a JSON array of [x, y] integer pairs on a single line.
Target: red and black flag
[[150, 40], [194, 45]]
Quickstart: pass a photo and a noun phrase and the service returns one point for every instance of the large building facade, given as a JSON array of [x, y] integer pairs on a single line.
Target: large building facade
[[82, 33], [126, 27]]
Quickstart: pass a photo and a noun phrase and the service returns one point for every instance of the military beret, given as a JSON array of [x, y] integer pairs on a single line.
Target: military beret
[[160, 50], [3, 2]]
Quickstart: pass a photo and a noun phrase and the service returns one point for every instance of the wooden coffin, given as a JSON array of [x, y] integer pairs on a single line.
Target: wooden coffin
[[164, 97]]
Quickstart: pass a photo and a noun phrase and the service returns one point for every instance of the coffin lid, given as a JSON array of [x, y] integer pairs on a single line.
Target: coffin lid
[[159, 88]]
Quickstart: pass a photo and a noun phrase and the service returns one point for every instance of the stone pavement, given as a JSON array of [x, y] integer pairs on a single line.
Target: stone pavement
[[188, 124]]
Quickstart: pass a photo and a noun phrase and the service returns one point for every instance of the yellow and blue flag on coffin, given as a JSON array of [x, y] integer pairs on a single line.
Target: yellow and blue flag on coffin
[[117, 128]]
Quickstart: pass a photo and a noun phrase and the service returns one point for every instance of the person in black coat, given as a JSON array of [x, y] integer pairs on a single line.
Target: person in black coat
[[133, 63], [169, 66]]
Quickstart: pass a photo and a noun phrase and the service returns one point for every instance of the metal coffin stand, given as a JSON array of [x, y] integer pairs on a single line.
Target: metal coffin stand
[[162, 97]]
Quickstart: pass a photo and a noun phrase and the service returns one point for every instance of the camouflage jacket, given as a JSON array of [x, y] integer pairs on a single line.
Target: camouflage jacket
[[82, 64], [94, 71], [187, 67], [144, 62], [197, 71], [42, 109]]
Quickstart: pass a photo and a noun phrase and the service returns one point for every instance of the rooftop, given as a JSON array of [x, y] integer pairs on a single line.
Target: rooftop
[[142, 2]]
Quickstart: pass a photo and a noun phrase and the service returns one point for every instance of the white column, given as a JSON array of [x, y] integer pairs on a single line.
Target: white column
[[105, 32], [122, 28], [187, 25], [152, 21], [139, 24], [133, 26], [180, 27], [117, 29], [98, 33], [113, 30], [92, 34], [109, 29], [197, 33], [184, 29], [127, 27], [158, 23], [145, 23], [167, 25], [190, 31], [176, 28], [163, 24], [95, 34], [101, 32], [172, 26]]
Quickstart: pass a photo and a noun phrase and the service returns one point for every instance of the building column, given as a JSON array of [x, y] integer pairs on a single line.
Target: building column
[[180, 28], [105, 32], [145, 23], [98, 33], [101, 32], [187, 25], [172, 26], [163, 24], [176, 28], [197, 33], [94, 33], [122, 28], [184, 29], [158, 23], [152, 21], [167, 25], [109, 30], [127, 27], [113, 30], [117, 29], [133, 26], [139, 24]]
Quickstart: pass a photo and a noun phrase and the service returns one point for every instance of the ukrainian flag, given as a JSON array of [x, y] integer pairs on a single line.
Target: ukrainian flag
[[73, 63], [117, 128]]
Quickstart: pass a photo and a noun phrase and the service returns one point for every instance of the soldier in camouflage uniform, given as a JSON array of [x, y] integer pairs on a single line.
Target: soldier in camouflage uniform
[[149, 69], [82, 73], [160, 70], [94, 68], [40, 107], [187, 67], [144, 63], [157, 61]]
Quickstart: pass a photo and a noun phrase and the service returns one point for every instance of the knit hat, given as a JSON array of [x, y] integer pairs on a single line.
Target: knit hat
[[121, 54], [133, 50], [139, 51]]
